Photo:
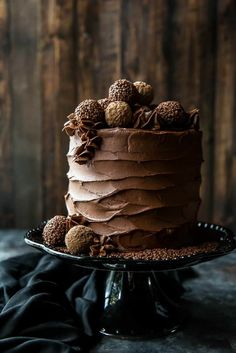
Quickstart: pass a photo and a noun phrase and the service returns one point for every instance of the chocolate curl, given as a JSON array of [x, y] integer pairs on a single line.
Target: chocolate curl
[[95, 248], [87, 131], [90, 141], [194, 118], [87, 149], [102, 248], [140, 117], [75, 220], [71, 126], [145, 118]]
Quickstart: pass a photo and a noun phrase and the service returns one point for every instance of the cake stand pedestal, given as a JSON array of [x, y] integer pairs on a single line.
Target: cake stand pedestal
[[141, 297], [136, 304]]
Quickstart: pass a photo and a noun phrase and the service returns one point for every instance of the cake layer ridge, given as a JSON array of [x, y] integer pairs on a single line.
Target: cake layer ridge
[[144, 193], [114, 170], [125, 219], [134, 144]]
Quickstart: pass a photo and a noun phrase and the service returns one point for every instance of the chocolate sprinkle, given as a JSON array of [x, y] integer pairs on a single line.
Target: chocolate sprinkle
[[166, 254], [154, 254]]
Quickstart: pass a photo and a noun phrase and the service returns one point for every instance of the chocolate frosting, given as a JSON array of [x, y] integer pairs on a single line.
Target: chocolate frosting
[[139, 184]]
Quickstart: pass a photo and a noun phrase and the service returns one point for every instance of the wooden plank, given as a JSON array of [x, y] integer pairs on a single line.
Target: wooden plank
[[74, 50], [168, 44], [145, 49], [225, 125], [98, 47], [87, 29], [207, 106], [192, 45], [6, 176], [26, 122], [108, 46], [58, 87]]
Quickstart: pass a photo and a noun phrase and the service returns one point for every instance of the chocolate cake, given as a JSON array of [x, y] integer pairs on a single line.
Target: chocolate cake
[[134, 171]]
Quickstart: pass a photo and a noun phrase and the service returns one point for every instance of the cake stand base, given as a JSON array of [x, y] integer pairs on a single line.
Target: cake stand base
[[141, 297], [137, 304]]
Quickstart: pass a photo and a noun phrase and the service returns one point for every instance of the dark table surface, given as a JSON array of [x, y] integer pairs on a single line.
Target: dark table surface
[[210, 300]]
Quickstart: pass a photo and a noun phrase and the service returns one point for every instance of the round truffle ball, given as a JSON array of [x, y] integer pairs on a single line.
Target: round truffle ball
[[118, 114], [122, 90], [89, 109], [145, 92], [79, 239], [104, 102], [54, 231], [171, 115]]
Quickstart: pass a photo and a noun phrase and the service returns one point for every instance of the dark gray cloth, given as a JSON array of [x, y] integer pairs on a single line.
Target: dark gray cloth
[[48, 305]]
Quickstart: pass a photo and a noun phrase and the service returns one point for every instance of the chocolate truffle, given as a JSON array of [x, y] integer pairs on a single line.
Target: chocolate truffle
[[118, 114], [91, 110], [145, 92], [104, 102], [55, 230], [171, 114], [79, 239], [122, 90]]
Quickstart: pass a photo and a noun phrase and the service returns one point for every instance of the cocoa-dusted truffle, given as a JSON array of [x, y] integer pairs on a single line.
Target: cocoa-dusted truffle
[[89, 109], [145, 92], [55, 230], [118, 114], [79, 239], [122, 90], [171, 114], [104, 102]]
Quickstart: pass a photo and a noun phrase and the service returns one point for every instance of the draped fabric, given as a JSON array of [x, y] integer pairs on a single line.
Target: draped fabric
[[48, 305]]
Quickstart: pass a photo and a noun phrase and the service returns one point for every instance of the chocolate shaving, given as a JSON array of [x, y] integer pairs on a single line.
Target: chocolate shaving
[[75, 220], [141, 117], [194, 119], [102, 246], [145, 117], [94, 250], [71, 126]]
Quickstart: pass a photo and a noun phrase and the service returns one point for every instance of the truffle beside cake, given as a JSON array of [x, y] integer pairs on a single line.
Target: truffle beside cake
[[134, 170]]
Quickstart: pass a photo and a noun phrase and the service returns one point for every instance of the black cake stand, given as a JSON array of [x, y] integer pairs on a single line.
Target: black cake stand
[[141, 297]]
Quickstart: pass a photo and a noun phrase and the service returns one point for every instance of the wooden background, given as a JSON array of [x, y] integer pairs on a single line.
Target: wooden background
[[55, 53]]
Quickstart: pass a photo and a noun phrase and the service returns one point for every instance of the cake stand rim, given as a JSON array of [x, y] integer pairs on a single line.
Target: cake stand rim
[[227, 244]]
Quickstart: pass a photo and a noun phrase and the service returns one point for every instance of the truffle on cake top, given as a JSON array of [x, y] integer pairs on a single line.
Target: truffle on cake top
[[104, 102], [118, 114], [89, 109], [171, 114], [122, 90], [145, 92]]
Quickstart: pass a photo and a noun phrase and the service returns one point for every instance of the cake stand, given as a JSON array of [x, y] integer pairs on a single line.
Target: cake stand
[[141, 297]]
